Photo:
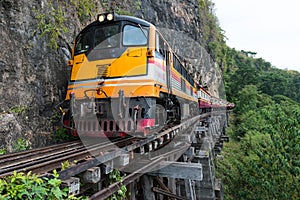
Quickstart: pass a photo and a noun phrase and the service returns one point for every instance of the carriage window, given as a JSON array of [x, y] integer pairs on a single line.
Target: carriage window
[[133, 35], [176, 64]]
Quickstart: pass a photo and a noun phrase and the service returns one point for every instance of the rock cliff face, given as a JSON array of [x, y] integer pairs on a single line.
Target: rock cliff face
[[33, 77]]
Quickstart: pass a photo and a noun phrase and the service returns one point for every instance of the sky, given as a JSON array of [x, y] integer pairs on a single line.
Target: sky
[[269, 27]]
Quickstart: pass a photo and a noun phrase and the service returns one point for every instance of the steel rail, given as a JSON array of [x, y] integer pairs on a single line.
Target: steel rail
[[37, 156], [45, 163], [10, 157]]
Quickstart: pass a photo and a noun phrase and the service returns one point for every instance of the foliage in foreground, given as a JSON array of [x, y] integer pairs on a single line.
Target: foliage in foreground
[[115, 176], [30, 186]]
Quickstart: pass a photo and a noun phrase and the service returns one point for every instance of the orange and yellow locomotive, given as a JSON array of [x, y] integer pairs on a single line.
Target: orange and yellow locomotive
[[125, 78]]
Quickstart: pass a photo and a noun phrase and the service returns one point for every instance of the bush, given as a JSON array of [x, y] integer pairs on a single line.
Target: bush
[[29, 186]]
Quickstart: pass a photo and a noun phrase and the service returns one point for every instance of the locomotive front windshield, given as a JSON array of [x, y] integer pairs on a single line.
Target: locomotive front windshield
[[109, 37], [133, 36]]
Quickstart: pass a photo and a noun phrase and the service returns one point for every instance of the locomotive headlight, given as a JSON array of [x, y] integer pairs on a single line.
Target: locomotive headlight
[[101, 18], [110, 17]]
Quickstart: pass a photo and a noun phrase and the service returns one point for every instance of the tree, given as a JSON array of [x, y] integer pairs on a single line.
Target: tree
[[268, 163], [247, 99]]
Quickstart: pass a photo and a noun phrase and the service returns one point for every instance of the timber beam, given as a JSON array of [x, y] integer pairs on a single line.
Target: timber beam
[[180, 170], [166, 193]]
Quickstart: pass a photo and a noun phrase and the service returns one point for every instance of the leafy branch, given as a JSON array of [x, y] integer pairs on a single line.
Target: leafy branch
[[85, 8], [115, 176], [29, 186], [52, 25]]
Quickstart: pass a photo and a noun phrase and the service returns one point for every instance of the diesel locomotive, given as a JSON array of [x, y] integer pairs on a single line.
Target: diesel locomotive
[[126, 79]]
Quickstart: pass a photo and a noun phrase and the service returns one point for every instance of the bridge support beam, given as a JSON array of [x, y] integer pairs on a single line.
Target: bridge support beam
[[147, 184], [180, 170]]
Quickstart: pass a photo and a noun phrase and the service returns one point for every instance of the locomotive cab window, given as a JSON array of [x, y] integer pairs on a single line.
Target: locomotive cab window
[[134, 35], [98, 37], [83, 42]]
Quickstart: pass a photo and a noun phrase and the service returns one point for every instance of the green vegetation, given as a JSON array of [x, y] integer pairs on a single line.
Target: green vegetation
[[212, 34], [137, 4], [115, 176], [18, 109], [51, 23], [122, 11], [52, 18], [245, 70], [67, 164], [61, 135], [119, 7], [265, 163], [21, 145], [262, 161], [85, 9], [30, 186], [2, 151], [105, 4]]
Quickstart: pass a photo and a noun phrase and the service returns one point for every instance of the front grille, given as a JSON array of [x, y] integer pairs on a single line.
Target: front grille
[[85, 126]]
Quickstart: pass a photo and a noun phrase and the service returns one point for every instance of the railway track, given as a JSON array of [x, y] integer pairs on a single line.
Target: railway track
[[43, 160], [10, 159], [93, 154]]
